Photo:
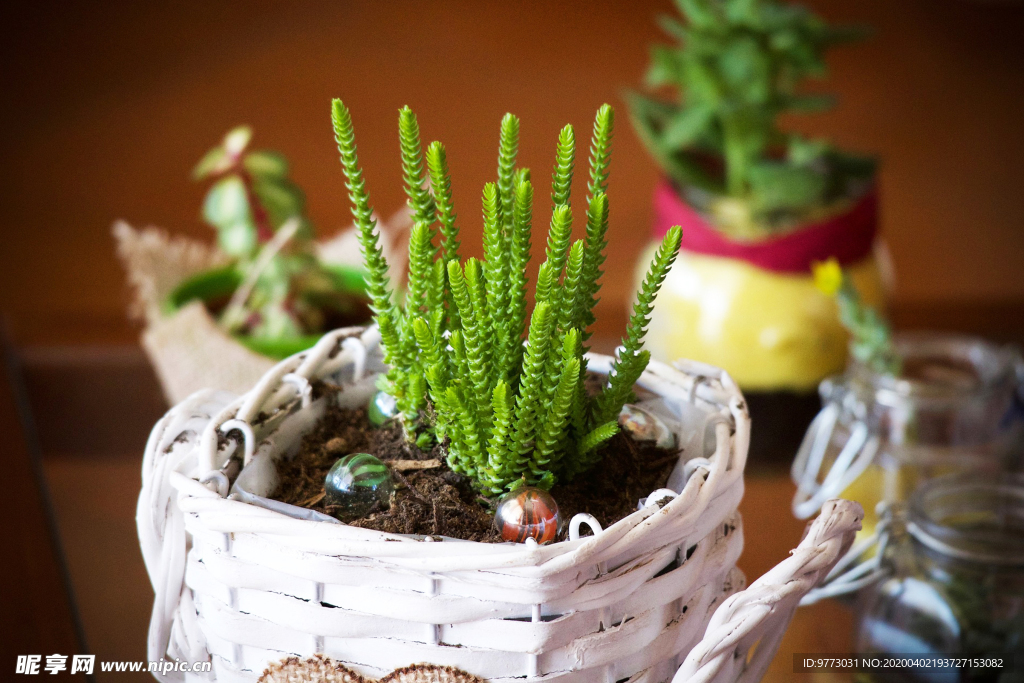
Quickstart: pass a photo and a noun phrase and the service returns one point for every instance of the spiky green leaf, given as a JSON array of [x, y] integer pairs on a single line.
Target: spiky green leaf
[[420, 202], [565, 159]]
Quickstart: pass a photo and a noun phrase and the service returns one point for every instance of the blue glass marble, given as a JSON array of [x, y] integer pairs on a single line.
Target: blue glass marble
[[382, 408]]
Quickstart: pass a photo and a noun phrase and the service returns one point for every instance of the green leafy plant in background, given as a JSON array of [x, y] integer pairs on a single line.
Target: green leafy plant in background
[[283, 290], [870, 336], [459, 370], [737, 66]]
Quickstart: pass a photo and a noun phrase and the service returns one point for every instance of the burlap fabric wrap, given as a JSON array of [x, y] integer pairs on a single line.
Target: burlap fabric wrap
[[320, 669], [187, 348]]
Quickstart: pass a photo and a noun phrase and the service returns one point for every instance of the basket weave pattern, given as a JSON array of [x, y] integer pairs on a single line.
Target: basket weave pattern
[[754, 618], [247, 585]]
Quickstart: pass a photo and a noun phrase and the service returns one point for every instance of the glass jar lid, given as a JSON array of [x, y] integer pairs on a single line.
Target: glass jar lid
[[971, 517], [941, 367]]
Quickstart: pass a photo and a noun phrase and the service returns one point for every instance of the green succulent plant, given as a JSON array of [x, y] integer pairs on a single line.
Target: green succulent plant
[[259, 215], [737, 66], [458, 366]]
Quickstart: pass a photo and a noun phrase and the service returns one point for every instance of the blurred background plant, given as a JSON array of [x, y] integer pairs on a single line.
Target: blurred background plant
[[871, 340], [283, 289], [739, 65]]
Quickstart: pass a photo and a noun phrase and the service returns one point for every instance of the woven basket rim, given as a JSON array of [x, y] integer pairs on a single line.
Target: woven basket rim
[[723, 466]]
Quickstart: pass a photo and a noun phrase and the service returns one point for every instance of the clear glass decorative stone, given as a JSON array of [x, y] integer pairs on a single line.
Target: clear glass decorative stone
[[356, 485]]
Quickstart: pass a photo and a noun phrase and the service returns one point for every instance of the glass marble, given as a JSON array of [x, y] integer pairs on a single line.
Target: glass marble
[[357, 484], [382, 408], [528, 512], [645, 426]]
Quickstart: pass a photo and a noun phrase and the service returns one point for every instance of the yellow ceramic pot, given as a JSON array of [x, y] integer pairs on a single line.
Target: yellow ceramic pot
[[771, 331], [748, 303]]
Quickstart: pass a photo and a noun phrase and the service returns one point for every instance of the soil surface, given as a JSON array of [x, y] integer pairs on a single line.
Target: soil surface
[[437, 501], [338, 310]]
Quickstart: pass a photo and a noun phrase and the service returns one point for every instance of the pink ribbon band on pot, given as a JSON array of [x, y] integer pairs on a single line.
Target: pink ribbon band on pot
[[848, 236]]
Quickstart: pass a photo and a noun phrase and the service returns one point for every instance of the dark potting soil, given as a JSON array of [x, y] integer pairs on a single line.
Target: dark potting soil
[[339, 309], [434, 500]]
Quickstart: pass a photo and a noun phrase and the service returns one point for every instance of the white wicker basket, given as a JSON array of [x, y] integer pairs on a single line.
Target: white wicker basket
[[245, 581], [740, 642]]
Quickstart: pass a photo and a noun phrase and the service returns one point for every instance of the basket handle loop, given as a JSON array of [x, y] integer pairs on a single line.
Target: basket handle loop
[[247, 433], [759, 614], [301, 385], [865, 563], [580, 519], [355, 346]]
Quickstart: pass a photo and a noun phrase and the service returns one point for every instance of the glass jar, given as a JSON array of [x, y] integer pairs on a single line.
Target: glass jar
[[957, 589], [956, 407]]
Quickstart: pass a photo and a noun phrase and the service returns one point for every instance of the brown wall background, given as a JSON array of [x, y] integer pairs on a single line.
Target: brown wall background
[[109, 105]]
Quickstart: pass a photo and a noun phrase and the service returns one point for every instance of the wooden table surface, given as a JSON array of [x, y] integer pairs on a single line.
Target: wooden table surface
[[37, 611]]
